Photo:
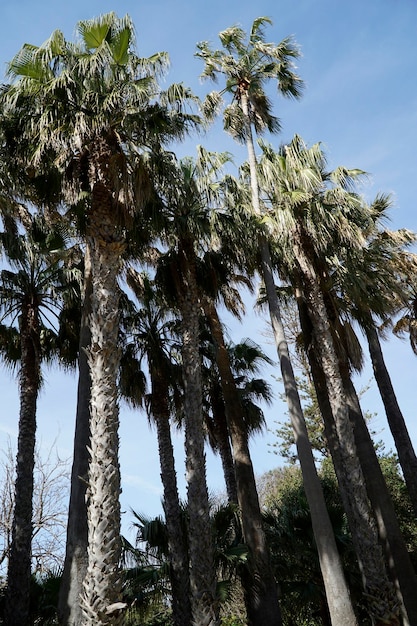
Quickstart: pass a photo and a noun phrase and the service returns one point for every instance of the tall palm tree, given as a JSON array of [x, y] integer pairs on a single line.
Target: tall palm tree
[[259, 596], [31, 294], [247, 63], [151, 330], [315, 211], [187, 189], [90, 102], [384, 271]]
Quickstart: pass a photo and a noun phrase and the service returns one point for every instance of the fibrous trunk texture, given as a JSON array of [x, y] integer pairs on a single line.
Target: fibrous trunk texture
[[177, 545], [380, 592], [102, 584], [204, 603], [392, 540], [19, 567]]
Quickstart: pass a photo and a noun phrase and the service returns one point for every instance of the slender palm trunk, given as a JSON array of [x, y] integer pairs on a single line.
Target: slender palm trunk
[[337, 592], [177, 545], [19, 567], [398, 427], [75, 565], [204, 603], [102, 584], [380, 593], [222, 437], [261, 595]]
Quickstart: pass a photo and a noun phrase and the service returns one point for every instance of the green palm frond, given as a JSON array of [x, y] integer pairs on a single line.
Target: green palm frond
[[247, 63], [257, 31]]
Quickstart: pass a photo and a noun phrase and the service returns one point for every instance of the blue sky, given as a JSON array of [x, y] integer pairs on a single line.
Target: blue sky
[[359, 67]]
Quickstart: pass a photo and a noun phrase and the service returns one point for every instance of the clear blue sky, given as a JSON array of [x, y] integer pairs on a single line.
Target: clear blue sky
[[359, 66]]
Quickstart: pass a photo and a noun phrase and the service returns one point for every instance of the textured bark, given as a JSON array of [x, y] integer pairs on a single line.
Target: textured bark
[[398, 427], [205, 610], [177, 545], [380, 593], [389, 530], [396, 554], [261, 594], [19, 567], [337, 593], [75, 564], [102, 583]]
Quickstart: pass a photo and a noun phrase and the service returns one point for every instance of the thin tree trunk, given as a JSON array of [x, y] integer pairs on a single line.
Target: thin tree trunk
[[222, 437], [19, 566], [177, 546], [380, 593], [398, 427], [75, 565], [261, 594], [337, 593], [204, 603]]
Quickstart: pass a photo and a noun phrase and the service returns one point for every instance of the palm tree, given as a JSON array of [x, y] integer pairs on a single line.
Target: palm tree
[[259, 596], [31, 294], [187, 189], [151, 554], [384, 270], [151, 330], [312, 219], [245, 359], [383, 267], [247, 64], [408, 320], [90, 102]]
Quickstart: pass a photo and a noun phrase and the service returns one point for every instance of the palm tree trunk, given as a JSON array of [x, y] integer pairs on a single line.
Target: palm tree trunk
[[102, 584], [204, 603], [398, 427], [337, 592], [261, 595], [222, 437], [75, 564], [19, 566], [390, 534], [380, 593], [178, 554]]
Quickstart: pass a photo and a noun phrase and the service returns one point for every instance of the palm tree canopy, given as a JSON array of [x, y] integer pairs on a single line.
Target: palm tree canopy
[[65, 99], [247, 62], [37, 276]]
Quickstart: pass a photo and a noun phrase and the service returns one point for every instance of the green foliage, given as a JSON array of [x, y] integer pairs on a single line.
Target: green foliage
[[44, 592], [232, 621], [291, 537], [285, 446], [146, 571]]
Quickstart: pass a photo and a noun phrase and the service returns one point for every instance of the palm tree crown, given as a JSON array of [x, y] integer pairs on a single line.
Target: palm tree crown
[[247, 64]]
